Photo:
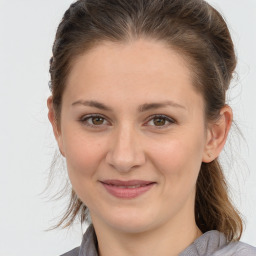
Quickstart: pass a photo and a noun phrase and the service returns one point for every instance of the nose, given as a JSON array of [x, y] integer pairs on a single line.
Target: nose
[[125, 150]]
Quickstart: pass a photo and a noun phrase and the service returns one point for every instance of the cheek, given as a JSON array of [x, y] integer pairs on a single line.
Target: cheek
[[177, 153], [179, 159], [179, 164], [83, 154], [83, 157]]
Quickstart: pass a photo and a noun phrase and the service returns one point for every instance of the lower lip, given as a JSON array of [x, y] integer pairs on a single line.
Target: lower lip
[[127, 193]]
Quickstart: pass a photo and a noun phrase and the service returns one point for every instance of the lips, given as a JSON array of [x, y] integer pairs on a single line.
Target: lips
[[127, 183], [127, 189]]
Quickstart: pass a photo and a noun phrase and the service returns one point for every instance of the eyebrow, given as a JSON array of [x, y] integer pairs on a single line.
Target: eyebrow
[[141, 108]]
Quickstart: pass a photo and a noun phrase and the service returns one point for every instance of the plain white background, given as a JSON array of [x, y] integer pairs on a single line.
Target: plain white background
[[27, 29]]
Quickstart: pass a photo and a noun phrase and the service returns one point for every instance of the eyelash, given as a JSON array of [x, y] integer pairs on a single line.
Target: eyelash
[[84, 120]]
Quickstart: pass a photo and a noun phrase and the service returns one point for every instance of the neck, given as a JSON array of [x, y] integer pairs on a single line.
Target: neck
[[169, 239]]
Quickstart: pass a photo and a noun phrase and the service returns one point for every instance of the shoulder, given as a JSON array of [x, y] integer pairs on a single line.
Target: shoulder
[[74, 252], [215, 243], [236, 249], [88, 246]]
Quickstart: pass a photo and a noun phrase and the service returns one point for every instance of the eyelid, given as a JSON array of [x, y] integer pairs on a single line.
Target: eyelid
[[167, 118], [86, 117]]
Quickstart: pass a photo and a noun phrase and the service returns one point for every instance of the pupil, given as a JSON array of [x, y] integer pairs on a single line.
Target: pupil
[[158, 121], [97, 120]]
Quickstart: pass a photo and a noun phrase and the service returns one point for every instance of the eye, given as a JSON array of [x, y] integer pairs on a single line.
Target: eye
[[160, 121], [95, 120]]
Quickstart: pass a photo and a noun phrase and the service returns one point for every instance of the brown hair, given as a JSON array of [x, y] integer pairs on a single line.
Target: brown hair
[[191, 27]]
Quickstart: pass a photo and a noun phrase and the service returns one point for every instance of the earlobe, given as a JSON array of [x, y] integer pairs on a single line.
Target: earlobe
[[52, 119], [217, 134]]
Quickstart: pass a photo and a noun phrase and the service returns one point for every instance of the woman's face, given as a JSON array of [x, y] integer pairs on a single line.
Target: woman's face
[[133, 135]]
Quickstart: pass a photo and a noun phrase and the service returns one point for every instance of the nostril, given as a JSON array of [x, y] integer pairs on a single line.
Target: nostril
[[125, 154]]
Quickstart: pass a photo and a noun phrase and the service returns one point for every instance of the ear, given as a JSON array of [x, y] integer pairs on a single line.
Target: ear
[[217, 133], [52, 119]]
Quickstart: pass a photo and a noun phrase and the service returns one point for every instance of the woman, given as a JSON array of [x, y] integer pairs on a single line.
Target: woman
[[138, 111]]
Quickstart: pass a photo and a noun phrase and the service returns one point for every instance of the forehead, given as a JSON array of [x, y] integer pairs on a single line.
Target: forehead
[[143, 69], [136, 57]]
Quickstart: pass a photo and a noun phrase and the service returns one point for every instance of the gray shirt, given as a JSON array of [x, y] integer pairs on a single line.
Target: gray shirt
[[211, 243]]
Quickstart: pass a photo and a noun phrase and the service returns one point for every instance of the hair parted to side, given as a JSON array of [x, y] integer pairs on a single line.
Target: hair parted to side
[[193, 28]]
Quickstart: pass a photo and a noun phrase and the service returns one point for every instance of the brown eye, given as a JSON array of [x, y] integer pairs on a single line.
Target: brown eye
[[159, 121], [97, 120], [94, 121]]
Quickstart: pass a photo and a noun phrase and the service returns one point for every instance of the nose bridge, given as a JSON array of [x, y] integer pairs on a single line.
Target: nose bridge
[[125, 150]]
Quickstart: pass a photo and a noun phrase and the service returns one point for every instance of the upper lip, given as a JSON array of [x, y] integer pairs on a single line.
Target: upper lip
[[127, 182]]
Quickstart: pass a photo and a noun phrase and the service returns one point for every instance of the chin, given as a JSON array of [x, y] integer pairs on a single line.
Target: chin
[[132, 227], [132, 222]]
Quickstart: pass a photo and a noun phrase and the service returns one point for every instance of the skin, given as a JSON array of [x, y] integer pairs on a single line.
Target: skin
[[127, 145]]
